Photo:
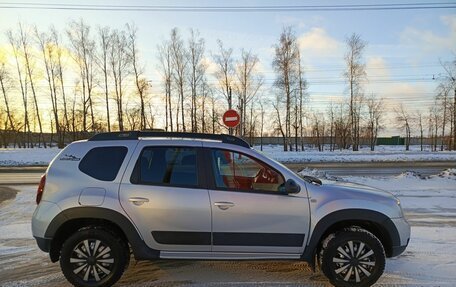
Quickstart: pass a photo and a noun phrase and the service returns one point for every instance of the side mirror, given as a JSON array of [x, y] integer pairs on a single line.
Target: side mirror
[[291, 187]]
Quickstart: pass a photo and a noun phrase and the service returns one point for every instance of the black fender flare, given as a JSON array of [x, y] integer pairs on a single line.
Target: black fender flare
[[140, 250], [383, 222]]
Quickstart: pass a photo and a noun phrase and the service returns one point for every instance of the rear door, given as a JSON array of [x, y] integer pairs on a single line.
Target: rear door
[[249, 213], [163, 192]]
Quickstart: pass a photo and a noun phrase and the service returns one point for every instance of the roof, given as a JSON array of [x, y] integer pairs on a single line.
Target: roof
[[135, 135]]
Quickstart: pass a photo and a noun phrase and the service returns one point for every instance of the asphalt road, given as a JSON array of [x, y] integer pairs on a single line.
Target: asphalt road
[[31, 175]]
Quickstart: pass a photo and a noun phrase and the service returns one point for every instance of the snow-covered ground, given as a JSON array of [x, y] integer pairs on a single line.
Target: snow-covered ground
[[381, 154], [42, 156], [429, 260], [27, 156]]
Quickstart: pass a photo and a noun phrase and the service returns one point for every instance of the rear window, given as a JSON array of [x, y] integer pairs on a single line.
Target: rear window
[[103, 163], [173, 166]]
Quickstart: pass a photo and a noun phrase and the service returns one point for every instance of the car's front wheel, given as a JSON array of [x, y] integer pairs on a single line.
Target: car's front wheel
[[93, 257], [352, 257]]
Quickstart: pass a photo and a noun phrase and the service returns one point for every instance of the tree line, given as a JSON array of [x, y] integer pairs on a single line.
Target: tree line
[[91, 79]]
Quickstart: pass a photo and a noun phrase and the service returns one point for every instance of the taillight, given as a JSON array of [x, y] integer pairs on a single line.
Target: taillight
[[39, 192]]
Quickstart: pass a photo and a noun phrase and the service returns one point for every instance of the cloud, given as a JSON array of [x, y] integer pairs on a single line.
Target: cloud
[[428, 40], [376, 68], [318, 42], [211, 66]]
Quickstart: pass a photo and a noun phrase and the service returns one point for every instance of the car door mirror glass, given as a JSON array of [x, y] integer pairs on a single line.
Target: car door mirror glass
[[290, 187]]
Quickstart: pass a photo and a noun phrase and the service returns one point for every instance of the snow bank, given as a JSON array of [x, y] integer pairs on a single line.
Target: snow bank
[[381, 154], [429, 204], [27, 156]]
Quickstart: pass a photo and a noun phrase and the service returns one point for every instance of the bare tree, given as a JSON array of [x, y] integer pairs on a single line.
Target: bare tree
[[206, 93], [4, 84], [419, 117], [442, 101], [15, 45], [119, 63], [138, 72], [261, 125], [48, 50], [180, 65], [434, 124], [104, 35], [318, 130], [449, 80], [29, 66], [342, 127], [355, 74], [331, 117], [164, 57], [375, 111], [196, 73], [302, 93], [84, 50], [248, 83], [60, 67], [285, 65], [404, 120], [224, 73]]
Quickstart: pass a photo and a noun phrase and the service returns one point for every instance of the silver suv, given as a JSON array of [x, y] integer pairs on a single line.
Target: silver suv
[[165, 195]]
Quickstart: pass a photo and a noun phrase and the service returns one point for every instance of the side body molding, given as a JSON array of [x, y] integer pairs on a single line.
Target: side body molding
[[383, 223], [140, 250]]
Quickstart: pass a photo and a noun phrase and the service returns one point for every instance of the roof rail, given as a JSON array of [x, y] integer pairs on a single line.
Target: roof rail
[[134, 135]]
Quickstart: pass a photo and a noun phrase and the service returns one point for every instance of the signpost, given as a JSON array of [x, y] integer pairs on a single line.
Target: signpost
[[231, 118]]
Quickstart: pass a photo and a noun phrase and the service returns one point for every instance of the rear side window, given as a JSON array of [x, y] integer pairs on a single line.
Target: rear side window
[[174, 166], [103, 163]]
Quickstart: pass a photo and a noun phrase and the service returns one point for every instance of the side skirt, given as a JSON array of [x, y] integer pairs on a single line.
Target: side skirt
[[226, 255]]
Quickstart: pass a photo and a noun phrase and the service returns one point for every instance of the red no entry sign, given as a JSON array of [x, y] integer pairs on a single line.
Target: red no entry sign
[[231, 118]]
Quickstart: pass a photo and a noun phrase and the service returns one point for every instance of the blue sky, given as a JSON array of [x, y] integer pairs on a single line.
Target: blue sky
[[402, 56]]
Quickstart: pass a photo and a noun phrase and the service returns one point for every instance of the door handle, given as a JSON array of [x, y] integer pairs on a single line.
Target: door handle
[[224, 205], [138, 200]]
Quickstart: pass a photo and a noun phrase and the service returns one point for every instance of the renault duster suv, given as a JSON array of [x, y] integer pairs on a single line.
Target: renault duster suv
[[163, 195]]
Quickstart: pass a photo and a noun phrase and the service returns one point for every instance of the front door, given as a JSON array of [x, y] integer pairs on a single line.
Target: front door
[[249, 213], [167, 199]]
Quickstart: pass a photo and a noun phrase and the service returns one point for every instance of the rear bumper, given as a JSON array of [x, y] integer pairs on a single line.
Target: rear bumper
[[44, 243]]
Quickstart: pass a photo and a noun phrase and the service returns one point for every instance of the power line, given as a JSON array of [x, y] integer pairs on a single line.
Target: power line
[[182, 8]]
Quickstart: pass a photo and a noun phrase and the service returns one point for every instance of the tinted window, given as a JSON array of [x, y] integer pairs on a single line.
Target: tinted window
[[103, 163], [168, 166], [237, 171]]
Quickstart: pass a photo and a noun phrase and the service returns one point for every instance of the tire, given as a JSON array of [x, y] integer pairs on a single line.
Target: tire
[[103, 265], [352, 257]]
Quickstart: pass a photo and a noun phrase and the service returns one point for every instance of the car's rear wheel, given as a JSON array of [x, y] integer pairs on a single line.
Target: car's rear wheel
[[93, 257], [353, 257]]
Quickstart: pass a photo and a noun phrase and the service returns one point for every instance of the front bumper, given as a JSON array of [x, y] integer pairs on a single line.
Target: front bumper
[[403, 229], [398, 250], [44, 243]]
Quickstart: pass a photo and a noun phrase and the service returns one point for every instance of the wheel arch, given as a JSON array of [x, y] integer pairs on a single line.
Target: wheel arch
[[72, 219], [375, 222]]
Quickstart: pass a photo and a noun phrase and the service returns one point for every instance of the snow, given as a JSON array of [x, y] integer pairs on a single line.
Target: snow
[[430, 206], [27, 156], [42, 156], [13, 231], [381, 154], [428, 202]]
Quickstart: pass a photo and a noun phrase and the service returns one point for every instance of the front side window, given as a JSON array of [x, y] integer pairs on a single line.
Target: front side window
[[173, 166], [237, 171]]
